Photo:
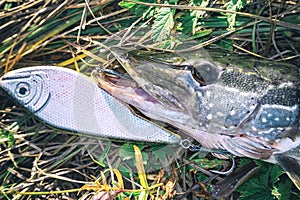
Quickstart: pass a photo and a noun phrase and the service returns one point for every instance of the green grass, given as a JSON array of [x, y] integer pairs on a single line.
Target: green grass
[[37, 161]]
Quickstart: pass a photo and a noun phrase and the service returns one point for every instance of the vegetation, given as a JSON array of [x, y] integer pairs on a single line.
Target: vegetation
[[39, 162]]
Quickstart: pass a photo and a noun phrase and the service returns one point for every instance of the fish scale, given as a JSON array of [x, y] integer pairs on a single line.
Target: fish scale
[[242, 81]]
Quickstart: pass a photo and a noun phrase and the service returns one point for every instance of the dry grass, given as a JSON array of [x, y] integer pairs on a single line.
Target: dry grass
[[38, 162]]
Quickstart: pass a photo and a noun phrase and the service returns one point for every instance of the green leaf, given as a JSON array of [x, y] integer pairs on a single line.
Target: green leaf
[[252, 187], [139, 10], [126, 4], [233, 5], [263, 194], [226, 43], [9, 135], [190, 19], [197, 2], [275, 172], [244, 161], [162, 152], [163, 24], [208, 164], [187, 24], [255, 185], [284, 189], [126, 152], [267, 185], [173, 2], [201, 33]]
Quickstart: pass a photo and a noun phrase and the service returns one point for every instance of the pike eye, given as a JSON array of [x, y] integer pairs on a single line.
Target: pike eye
[[197, 76], [22, 90], [206, 73]]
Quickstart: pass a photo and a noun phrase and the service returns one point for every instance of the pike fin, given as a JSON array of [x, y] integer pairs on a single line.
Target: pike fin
[[291, 166]]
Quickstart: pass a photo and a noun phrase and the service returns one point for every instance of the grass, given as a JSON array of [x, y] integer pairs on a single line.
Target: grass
[[40, 162]]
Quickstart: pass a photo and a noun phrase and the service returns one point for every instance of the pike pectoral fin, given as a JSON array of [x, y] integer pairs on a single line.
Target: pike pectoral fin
[[291, 166]]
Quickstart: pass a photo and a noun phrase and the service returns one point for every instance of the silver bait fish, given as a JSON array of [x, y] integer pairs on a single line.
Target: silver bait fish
[[72, 101]]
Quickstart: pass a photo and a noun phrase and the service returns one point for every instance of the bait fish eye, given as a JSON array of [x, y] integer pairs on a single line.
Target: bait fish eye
[[22, 90]]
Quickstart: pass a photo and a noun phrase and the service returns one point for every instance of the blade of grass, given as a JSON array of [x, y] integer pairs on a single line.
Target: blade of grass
[[140, 166]]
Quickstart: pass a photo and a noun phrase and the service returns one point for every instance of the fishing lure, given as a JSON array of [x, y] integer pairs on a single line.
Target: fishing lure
[[66, 99]]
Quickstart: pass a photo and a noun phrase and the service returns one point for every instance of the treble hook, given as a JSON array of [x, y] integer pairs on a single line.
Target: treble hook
[[187, 144], [228, 171]]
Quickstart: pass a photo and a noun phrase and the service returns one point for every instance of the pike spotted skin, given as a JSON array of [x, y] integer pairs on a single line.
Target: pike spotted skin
[[72, 101], [247, 107]]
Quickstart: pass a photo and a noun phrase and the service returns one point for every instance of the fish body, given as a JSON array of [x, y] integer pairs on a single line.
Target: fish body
[[72, 101], [249, 108]]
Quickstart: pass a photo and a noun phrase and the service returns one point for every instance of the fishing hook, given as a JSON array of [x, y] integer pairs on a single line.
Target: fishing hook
[[187, 144]]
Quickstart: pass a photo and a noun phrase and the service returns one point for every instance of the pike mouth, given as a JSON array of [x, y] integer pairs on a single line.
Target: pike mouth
[[124, 88], [127, 90]]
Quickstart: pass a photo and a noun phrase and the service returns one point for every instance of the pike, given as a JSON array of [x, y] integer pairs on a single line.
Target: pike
[[247, 107]]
